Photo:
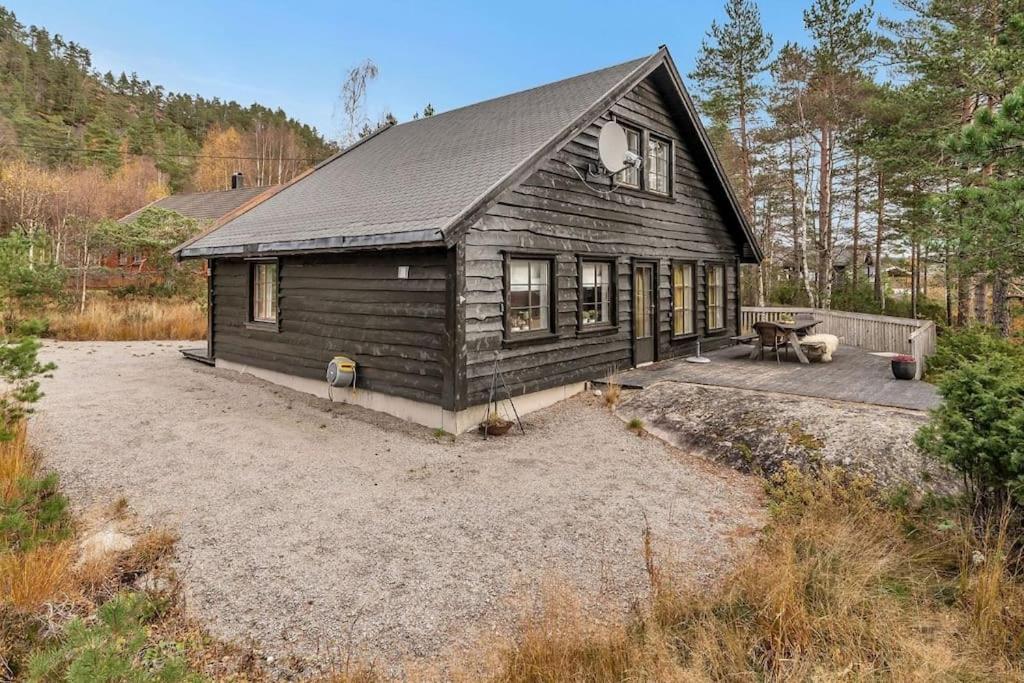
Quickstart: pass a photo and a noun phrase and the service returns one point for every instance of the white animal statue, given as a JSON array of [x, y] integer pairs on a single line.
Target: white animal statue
[[830, 342]]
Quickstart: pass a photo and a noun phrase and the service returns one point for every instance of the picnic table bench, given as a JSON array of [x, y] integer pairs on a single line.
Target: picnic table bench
[[792, 331], [744, 338]]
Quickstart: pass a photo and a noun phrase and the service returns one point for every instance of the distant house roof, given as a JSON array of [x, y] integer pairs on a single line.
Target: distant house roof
[[418, 182], [202, 205], [845, 257]]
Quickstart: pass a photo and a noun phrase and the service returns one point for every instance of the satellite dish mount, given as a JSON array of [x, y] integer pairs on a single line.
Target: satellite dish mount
[[614, 155], [613, 149]]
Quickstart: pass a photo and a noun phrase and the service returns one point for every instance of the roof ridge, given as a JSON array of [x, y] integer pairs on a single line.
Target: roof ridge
[[230, 189], [516, 93]]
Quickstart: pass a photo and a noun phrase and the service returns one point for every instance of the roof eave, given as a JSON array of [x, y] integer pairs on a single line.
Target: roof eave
[[416, 239]]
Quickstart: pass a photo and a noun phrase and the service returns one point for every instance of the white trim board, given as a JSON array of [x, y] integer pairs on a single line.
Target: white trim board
[[426, 414]]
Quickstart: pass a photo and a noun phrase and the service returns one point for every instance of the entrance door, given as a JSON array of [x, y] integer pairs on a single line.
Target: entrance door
[[645, 313]]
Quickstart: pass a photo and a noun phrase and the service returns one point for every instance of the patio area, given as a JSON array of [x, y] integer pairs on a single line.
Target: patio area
[[853, 375]]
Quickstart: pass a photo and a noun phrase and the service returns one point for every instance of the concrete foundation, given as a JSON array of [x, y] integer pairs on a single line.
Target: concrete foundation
[[418, 412]]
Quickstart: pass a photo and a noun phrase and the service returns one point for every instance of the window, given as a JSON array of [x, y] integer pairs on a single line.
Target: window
[[597, 292], [263, 284], [631, 175], [684, 313], [716, 296], [658, 164], [529, 295]]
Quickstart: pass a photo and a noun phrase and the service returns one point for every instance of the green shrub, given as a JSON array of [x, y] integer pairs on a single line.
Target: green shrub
[[113, 648], [969, 344], [37, 513], [979, 427], [19, 389], [33, 327]]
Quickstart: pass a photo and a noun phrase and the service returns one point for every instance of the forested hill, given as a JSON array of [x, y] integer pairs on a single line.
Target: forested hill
[[57, 111]]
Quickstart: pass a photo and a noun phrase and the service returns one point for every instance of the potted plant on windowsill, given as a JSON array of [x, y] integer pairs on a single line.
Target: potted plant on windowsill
[[904, 366]]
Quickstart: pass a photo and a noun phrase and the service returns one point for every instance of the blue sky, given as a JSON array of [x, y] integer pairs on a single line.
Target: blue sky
[[295, 55]]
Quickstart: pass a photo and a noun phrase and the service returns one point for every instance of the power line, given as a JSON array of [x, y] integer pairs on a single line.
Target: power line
[[83, 150]]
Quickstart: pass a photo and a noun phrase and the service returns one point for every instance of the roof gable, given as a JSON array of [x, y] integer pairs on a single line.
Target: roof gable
[[426, 180]]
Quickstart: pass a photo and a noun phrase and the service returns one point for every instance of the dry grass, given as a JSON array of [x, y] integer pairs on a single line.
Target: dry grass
[[102, 577], [107, 319], [993, 599], [612, 393], [840, 587], [29, 580], [15, 462]]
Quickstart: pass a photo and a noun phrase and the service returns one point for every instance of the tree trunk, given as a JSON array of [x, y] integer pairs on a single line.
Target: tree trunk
[[798, 213], [1001, 305], [914, 277], [825, 217], [981, 300], [949, 286], [879, 236], [85, 274], [855, 256], [765, 267], [963, 295], [805, 271]]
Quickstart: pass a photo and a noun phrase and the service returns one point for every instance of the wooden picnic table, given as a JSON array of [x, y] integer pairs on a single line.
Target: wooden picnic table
[[793, 331]]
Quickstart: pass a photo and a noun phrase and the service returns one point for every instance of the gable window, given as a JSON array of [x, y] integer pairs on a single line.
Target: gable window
[[684, 309], [597, 292], [630, 176], [529, 295], [716, 296], [263, 292], [658, 164]]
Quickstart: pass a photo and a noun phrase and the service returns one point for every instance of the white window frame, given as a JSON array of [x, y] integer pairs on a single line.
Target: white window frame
[[715, 297], [651, 167], [608, 286], [545, 287], [264, 293], [684, 299], [631, 175]]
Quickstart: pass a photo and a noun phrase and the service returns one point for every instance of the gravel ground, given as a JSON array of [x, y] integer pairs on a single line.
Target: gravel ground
[[310, 527]]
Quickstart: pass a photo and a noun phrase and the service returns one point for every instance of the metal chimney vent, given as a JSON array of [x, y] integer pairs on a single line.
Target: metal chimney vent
[[237, 180]]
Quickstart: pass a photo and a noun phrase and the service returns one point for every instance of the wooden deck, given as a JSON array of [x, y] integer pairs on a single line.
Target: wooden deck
[[854, 375]]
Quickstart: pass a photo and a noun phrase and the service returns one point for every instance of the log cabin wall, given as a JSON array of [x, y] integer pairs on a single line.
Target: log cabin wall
[[553, 212], [353, 305]]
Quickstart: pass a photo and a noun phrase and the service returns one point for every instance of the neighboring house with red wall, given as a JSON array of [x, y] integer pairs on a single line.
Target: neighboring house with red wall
[[118, 268]]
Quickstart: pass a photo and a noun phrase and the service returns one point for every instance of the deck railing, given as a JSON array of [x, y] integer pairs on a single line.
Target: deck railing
[[863, 330]]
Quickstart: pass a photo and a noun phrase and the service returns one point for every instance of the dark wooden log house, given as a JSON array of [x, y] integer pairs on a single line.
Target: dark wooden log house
[[428, 247]]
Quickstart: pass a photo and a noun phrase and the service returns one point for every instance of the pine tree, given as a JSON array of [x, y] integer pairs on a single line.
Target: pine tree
[[730, 68], [732, 62], [992, 235], [842, 44]]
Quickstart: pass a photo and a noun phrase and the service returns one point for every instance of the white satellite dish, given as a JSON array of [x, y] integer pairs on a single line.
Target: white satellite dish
[[612, 147]]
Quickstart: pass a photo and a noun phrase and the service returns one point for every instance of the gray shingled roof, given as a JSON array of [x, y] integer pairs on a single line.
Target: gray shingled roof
[[408, 182], [202, 205]]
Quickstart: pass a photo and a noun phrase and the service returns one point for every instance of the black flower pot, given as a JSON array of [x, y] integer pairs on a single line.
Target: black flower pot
[[904, 369]]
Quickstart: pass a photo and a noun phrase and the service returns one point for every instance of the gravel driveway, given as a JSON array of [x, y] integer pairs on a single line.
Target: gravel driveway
[[306, 525]]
